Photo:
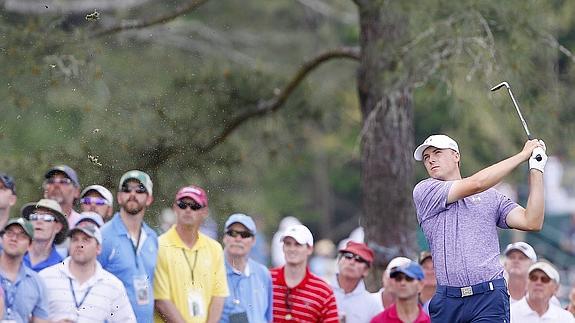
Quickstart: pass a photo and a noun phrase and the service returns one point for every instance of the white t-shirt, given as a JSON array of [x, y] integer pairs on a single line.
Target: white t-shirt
[[100, 298], [359, 306], [522, 313], [552, 301]]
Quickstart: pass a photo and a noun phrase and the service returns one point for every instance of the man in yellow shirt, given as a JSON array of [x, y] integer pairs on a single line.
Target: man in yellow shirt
[[190, 283]]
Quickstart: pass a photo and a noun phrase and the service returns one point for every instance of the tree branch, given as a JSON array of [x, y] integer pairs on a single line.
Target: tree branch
[[64, 7], [265, 107], [184, 9]]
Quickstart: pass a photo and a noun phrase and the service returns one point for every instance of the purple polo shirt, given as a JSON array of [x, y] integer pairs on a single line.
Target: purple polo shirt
[[462, 235]]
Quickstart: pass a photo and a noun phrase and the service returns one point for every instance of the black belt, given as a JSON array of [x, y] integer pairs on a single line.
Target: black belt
[[465, 291]]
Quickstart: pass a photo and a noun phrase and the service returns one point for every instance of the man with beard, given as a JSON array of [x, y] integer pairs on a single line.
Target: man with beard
[[24, 290], [250, 282], [79, 290], [50, 229], [190, 280], [130, 246], [61, 185]]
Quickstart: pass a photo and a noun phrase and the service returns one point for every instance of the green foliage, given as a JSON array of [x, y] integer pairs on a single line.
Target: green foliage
[[152, 98]]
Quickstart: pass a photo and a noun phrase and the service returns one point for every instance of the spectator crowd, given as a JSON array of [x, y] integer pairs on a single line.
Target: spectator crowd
[[60, 265]]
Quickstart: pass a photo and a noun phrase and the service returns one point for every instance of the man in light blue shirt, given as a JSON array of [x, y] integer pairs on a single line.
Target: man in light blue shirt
[[24, 291], [130, 246], [249, 282]]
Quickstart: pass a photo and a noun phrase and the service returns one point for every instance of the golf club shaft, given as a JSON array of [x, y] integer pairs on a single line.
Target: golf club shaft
[[520, 115], [523, 122]]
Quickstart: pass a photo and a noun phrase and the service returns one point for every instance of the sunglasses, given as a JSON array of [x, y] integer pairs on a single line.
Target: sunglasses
[[535, 278], [138, 189], [350, 256], [243, 234], [42, 217], [93, 200], [59, 180], [399, 277], [193, 205]]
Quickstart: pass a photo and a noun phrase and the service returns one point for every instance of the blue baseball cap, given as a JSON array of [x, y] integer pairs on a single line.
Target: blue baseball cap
[[411, 269], [246, 220]]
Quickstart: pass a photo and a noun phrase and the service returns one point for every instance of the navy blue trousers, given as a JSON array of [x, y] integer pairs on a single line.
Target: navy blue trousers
[[488, 302]]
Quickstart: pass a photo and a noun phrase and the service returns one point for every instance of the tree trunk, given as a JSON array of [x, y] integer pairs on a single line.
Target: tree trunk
[[387, 134]]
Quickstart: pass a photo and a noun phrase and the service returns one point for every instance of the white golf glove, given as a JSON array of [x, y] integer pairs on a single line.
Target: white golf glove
[[543, 144], [538, 164]]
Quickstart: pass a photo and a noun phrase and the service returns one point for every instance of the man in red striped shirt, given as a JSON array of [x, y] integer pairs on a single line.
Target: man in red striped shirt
[[299, 295]]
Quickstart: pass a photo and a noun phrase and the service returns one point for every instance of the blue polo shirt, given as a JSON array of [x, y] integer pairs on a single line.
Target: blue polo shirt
[[52, 259], [24, 297], [135, 268], [250, 292]]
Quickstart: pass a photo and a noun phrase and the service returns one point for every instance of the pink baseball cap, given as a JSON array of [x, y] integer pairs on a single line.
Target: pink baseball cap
[[195, 193]]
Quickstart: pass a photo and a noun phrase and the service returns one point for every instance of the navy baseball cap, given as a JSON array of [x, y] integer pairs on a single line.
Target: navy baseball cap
[[8, 182]]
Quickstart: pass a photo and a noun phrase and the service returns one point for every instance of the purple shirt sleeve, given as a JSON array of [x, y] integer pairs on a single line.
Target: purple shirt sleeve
[[430, 197]]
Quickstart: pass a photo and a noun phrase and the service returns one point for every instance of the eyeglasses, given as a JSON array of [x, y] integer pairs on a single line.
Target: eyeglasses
[[243, 234], [59, 180], [535, 278], [138, 189], [350, 256], [193, 205], [93, 200], [13, 234], [399, 277], [42, 216]]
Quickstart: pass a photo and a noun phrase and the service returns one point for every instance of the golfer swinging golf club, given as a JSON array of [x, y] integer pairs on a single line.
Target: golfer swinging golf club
[[459, 217]]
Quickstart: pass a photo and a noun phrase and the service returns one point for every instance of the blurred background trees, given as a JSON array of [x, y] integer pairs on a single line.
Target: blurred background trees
[[91, 85]]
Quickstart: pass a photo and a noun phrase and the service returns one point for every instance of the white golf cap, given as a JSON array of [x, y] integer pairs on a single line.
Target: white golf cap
[[547, 268], [104, 192], [524, 247], [437, 141], [300, 233], [397, 262]]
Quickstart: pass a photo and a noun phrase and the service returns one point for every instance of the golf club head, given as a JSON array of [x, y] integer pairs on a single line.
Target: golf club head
[[500, 85]]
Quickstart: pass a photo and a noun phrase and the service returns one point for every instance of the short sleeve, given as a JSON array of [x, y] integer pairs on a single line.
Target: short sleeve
[[506, 205], [430, 198]]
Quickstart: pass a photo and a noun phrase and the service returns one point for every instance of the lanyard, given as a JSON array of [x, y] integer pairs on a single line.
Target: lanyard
[[10, 294], [188, 262], [78, 305], [135, 248], [236, 298]]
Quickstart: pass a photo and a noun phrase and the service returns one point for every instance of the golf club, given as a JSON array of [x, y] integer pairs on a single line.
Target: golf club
[[506, 85]]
